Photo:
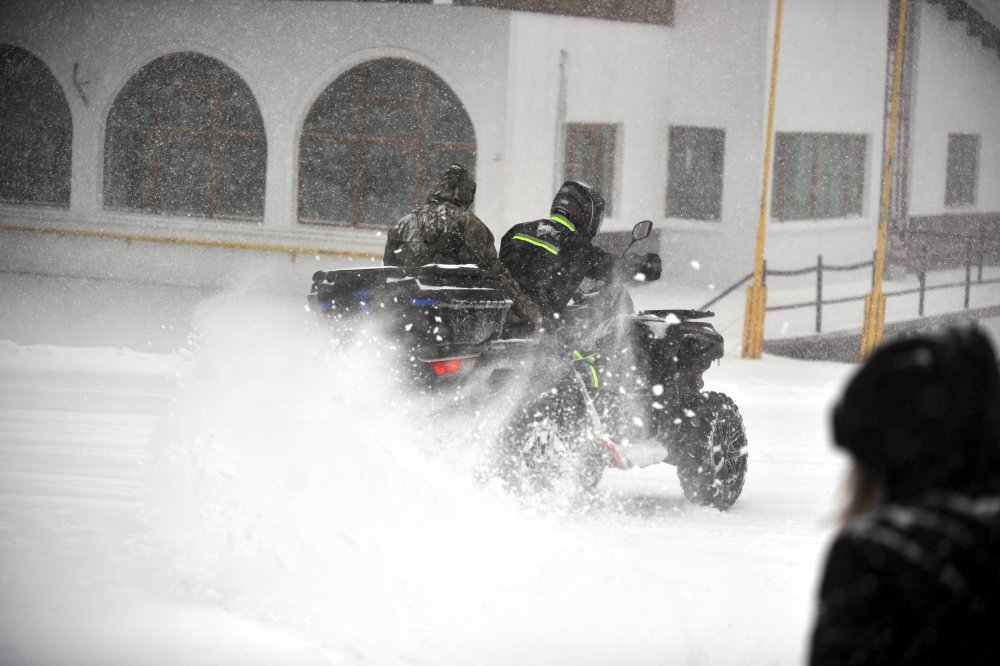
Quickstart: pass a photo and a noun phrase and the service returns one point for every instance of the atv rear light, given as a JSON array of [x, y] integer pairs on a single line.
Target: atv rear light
[[700, 383], [449, 367]]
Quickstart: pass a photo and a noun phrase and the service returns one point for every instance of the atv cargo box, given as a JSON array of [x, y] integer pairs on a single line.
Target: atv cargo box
[[439, 304]]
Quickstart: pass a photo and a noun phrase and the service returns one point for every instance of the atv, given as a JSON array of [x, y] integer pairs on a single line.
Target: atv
[[609, 388]]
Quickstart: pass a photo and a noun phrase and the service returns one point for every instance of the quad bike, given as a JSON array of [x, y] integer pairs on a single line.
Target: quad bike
[[608, 389], [441, 323], [643, 375]]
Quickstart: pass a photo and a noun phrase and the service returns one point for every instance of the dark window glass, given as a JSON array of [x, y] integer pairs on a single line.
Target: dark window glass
[[36, 132], [590, 157], [185, 136], [963, 170], [375, 141], [818, 176], [694, 173]]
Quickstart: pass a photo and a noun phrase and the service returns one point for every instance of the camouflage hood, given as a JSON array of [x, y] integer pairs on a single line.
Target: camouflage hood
[[454, 186]]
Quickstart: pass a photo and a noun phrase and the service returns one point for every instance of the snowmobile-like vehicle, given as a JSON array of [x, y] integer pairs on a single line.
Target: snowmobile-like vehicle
[[608, 389]]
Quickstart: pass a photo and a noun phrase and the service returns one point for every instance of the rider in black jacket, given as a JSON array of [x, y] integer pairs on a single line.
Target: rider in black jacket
[[550, 257]]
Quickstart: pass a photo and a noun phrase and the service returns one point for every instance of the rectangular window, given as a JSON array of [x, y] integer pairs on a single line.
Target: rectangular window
[[963, 170], [590, 157], [694, 173], [818, 176]]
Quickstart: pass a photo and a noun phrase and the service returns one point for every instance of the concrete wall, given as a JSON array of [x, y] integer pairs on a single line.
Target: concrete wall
[[957, 91]]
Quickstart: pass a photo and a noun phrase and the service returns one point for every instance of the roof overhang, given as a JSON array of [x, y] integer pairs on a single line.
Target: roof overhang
[[982, 19]]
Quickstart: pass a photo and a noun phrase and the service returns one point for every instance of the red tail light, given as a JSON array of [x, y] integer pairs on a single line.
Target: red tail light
[[449, 367], [700, 383]]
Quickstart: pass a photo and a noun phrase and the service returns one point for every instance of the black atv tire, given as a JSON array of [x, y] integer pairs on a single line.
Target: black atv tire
[[540, 451], [712, 460]]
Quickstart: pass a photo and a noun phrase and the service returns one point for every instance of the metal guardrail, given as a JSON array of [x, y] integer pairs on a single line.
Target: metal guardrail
[[820, 268]]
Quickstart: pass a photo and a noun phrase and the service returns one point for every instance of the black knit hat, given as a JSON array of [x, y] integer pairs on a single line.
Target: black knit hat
[[924, 412]]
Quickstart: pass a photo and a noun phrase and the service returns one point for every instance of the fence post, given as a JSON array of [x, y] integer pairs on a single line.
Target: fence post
[[982, 249], [819, 293], [922, 277], [968, 272]]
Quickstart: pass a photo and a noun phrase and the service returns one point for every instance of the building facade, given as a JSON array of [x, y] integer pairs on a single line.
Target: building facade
[[299, 126]]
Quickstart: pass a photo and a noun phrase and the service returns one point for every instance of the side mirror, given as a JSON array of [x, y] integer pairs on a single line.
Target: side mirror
[[641, 230]]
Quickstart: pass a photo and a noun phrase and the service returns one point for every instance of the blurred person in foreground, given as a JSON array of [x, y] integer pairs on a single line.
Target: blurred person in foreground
[[444, 231], [914, 577]]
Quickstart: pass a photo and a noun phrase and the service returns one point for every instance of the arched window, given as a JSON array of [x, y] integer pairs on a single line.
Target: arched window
[[36, 131], [376, 140], [185, 136]]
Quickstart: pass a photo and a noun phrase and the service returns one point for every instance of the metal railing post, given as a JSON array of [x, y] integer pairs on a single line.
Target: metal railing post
[[982, 249], [968, 272], [819, 293], [922, 277]]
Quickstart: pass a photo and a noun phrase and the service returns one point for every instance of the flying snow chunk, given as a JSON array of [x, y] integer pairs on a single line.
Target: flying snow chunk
[[695, 264]]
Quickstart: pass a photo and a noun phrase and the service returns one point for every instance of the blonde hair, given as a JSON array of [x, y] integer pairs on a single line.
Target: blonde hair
[[861, 492]]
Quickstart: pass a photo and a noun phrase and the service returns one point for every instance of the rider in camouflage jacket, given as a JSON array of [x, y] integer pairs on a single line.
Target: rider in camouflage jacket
[[444, 231]]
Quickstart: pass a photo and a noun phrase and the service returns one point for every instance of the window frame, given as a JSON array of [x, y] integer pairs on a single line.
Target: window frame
[[960, 192], [57, 170], [358, 143], [718, 132], [610, 191], [162, 133], [852, 194]]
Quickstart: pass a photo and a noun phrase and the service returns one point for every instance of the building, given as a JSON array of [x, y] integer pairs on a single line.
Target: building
[[210, 129]]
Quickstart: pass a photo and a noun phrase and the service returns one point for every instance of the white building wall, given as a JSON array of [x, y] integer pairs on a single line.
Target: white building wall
[[616, 74], [718, 68], [706, 71], [710, 69], [957, 91], [287, 53], [831, 79]]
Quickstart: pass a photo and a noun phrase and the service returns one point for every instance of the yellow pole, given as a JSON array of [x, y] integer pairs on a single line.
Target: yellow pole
[[874, 322], [753, 320]]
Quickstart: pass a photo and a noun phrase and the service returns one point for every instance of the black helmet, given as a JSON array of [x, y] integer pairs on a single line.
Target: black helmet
[[580, 204], [454, 186]]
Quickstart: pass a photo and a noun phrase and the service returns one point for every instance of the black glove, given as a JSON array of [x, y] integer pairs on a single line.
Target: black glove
[[648, 265]]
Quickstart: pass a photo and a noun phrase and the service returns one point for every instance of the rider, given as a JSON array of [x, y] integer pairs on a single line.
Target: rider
[[444, 231], [550, 257]]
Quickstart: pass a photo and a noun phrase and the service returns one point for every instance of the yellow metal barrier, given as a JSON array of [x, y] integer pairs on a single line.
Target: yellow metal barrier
[[874, 323], [139, 238], [753, 320]]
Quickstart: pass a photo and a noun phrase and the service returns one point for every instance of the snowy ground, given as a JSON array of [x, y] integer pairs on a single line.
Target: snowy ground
[[243, 494]]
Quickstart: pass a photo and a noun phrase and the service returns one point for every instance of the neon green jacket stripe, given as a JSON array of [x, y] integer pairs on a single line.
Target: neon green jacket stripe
[[534, 241], [563, 221], [590, 360]]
